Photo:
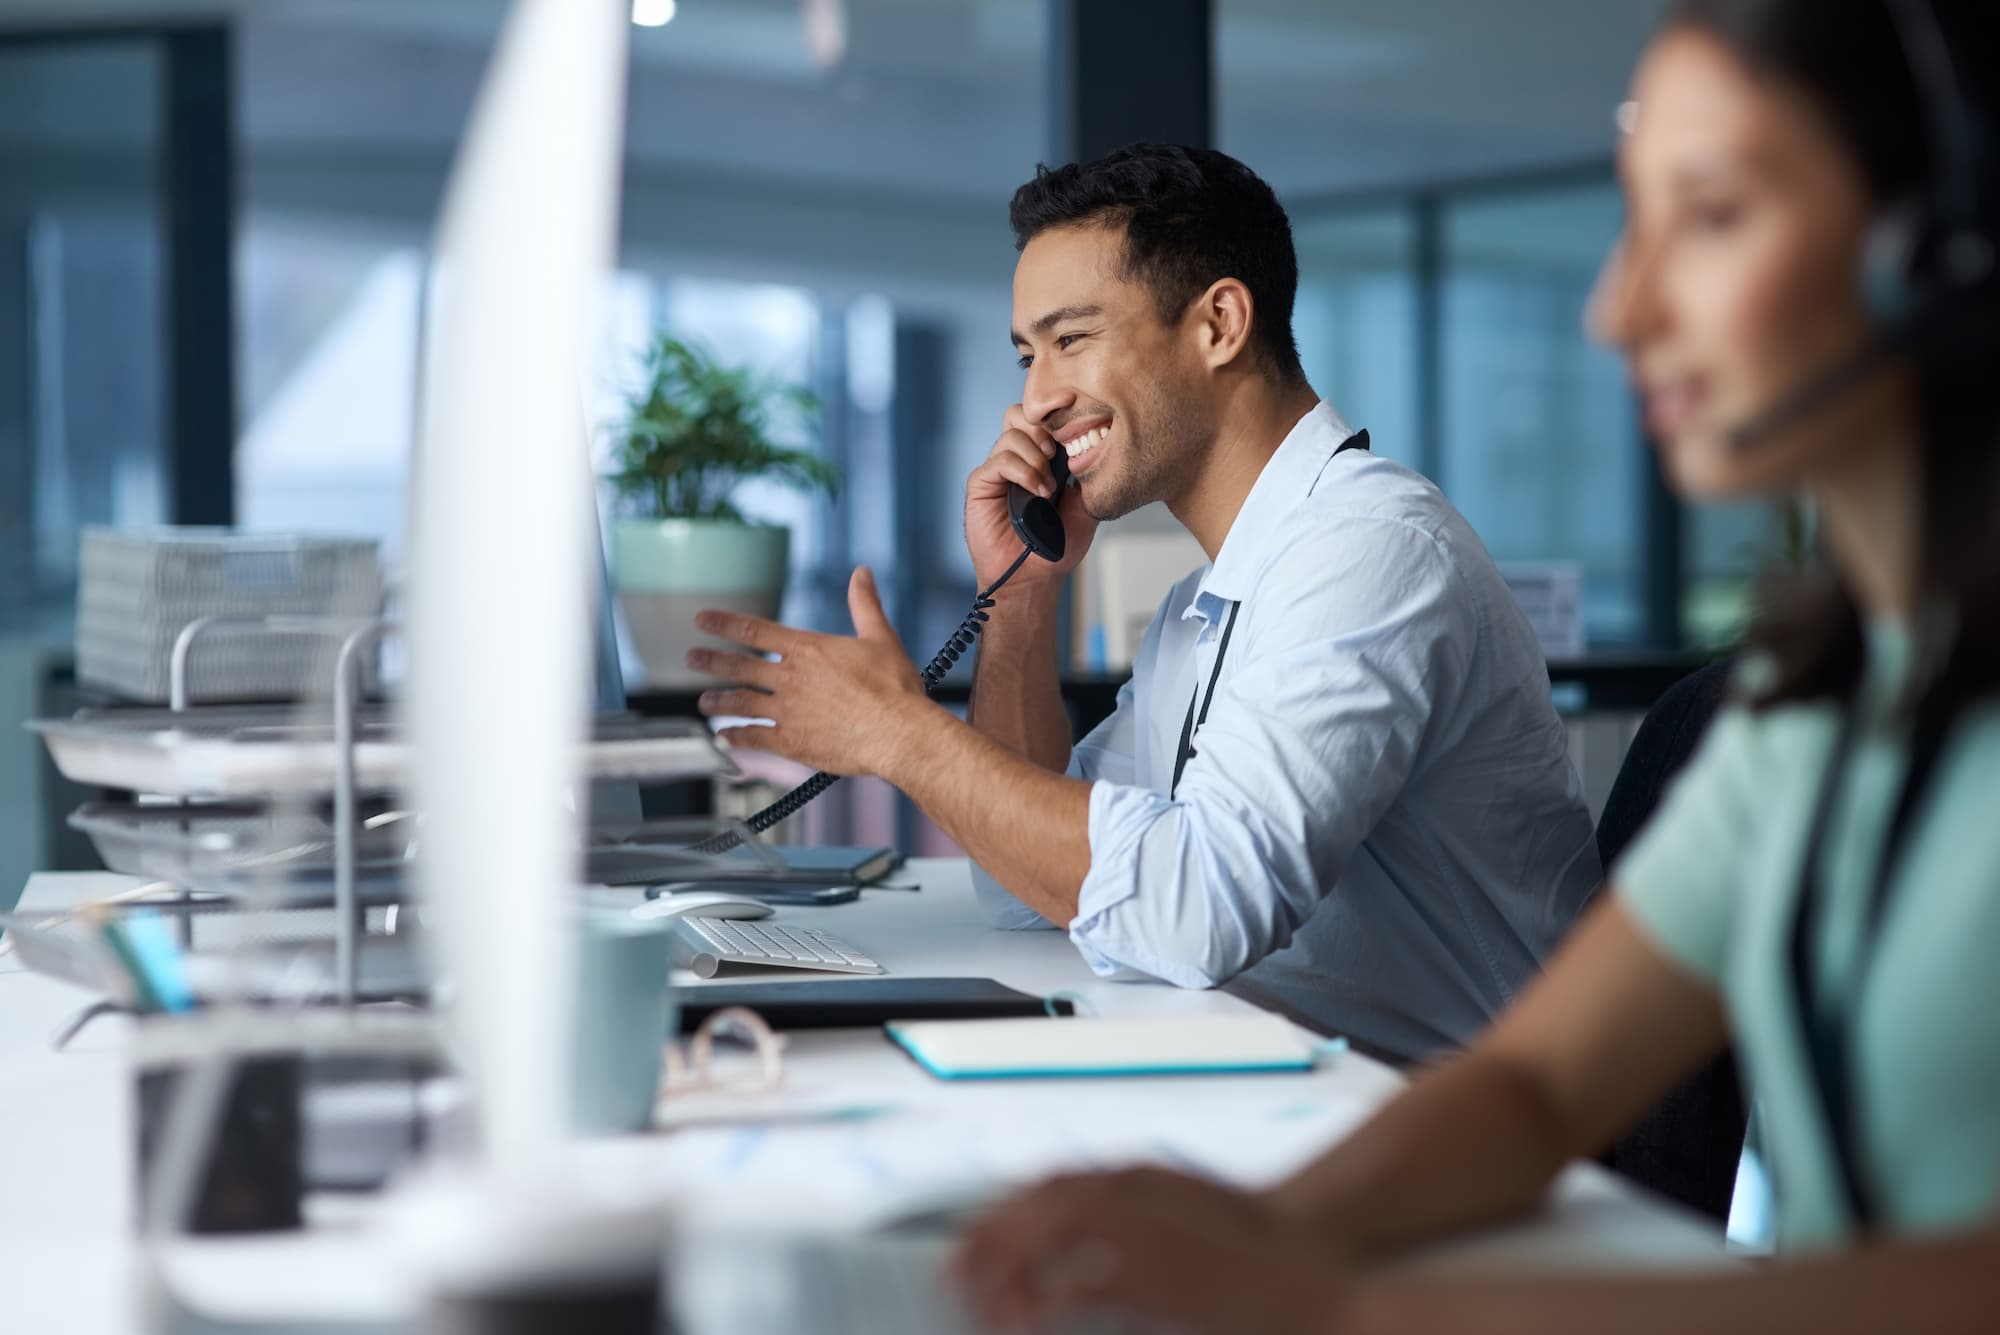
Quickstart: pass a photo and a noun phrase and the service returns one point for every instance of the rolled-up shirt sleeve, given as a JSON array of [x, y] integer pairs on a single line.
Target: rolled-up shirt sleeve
[[1107, 754], [1363, 637]]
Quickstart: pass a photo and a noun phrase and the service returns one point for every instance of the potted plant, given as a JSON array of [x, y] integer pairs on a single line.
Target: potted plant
[[694, 432]]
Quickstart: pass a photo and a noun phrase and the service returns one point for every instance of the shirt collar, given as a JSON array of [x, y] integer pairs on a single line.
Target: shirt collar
[[1288, 478]]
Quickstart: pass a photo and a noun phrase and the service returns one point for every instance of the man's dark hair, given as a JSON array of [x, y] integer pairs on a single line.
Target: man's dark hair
[[1191, 216]]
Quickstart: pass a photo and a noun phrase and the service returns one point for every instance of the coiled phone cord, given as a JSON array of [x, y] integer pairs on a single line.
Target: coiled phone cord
[[954, 649]]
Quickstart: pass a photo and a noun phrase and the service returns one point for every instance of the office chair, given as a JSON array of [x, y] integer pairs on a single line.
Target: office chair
[[1689, 1146]]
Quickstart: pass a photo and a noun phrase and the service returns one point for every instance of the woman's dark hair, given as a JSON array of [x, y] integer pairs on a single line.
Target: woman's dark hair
[[1191, 217], [1848, 57]]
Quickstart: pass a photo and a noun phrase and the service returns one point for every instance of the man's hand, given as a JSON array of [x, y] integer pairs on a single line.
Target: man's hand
[[1020, 456], [840, 704], [1151, 1243]]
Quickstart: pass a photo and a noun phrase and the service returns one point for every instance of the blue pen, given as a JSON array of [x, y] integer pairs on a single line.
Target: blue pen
[[157, 957]]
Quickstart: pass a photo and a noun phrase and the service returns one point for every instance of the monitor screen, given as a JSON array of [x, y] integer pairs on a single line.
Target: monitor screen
[[612, 804]]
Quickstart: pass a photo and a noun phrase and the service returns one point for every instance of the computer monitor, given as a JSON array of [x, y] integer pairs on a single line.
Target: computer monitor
[[528, 226], [614, 804]]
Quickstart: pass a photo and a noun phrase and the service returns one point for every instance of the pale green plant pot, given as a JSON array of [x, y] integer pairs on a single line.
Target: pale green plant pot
[[666, 570]]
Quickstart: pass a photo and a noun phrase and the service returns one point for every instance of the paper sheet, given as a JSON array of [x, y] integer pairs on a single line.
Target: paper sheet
[[860, 1167]]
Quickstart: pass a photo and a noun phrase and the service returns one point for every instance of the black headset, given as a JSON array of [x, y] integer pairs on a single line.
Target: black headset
[[1938, 245], [1930, 270]]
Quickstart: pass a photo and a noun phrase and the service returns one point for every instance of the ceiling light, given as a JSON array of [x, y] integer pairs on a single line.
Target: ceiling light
[[653, 13], [825, 31]]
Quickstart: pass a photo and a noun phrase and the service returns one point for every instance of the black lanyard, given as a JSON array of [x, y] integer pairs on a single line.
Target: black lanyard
[[1830, 1026], [1186, 752], [1357, 441]]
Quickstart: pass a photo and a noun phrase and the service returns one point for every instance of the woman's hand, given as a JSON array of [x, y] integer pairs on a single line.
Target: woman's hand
[[1154, 1244]]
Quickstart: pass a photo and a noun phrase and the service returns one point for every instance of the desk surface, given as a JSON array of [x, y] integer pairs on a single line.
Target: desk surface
[[66, 1252]]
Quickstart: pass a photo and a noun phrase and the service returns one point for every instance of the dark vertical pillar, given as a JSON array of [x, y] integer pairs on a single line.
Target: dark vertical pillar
[[17, 445], [1128, 71], [1428, 261], [917, 430], [1665, 552], [832, 819], [199, 205], [1124, 72], [836, 442]]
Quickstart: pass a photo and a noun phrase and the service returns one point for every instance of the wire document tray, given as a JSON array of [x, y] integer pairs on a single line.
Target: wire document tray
[[253, 753]]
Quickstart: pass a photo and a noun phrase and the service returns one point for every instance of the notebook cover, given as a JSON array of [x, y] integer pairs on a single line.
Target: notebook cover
[[1114, 1046], [861, 1003], [859, 865], [803, 866]]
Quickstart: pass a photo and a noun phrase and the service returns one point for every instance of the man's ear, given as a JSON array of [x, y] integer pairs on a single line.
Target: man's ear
[[1220, 322]]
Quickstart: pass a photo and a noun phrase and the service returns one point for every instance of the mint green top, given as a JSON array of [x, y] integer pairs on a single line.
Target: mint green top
[[1714, 881]]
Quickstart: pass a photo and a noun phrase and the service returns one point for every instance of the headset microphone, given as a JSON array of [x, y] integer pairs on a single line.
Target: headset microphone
[[1816, 394], [1930, 268]]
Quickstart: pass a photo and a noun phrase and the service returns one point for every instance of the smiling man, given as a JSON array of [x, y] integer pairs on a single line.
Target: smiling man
[[1335, 784]]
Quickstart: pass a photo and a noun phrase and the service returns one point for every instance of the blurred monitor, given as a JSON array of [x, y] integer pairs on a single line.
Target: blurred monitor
[[612, 803]]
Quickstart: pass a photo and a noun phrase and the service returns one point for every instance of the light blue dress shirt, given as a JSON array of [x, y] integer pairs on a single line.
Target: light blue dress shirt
[[1380, 833]]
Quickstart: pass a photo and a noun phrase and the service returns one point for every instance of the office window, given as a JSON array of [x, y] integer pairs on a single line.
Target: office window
[[331, 327], [1728, 547], [775, 330], [1339, 97], [328, 319], [1540, 446], [1356, 322], [83, 373], [331, 321], [82, 366]]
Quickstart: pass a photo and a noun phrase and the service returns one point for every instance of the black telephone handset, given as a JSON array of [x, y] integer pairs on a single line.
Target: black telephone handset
[[1036, 520], [1039, 526]]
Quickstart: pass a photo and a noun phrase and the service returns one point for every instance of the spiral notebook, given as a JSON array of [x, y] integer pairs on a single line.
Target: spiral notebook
[[1103, 1046]]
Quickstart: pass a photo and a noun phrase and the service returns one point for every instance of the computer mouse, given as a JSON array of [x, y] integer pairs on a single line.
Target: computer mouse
[[703, 904]]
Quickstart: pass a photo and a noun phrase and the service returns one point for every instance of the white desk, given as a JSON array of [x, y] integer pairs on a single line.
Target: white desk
[[66, 1249]]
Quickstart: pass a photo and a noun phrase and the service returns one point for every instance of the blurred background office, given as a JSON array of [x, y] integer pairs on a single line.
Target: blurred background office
[[215, 220]]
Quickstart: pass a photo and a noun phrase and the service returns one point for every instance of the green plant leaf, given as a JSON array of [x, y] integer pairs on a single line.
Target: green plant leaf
[[697, 430]]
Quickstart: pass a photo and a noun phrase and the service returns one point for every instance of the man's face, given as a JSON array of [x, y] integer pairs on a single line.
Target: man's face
[[1121, 390]]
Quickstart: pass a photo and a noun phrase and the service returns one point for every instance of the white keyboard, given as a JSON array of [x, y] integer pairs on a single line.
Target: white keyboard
[[706, 944], [731, 1283]]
